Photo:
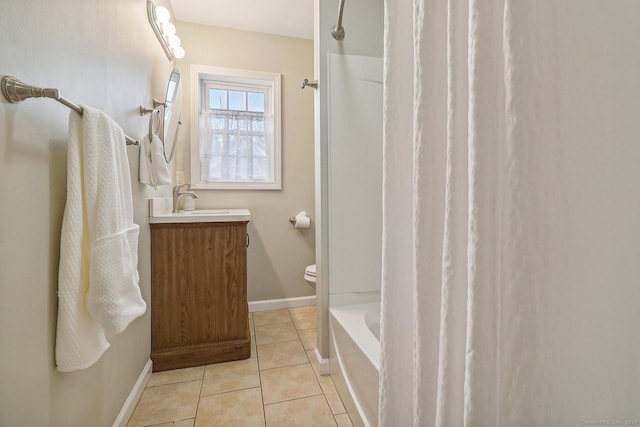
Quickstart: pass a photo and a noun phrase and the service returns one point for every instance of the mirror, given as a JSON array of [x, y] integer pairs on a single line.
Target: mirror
[[172, 110]]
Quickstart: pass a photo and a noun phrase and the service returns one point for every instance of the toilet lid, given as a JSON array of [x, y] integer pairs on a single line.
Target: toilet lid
[[310, 270]]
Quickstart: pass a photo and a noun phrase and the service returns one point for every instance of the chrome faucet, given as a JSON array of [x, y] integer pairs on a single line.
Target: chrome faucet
[[180, 191]]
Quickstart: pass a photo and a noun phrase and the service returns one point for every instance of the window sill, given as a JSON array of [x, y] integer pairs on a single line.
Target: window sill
[[236, 186]]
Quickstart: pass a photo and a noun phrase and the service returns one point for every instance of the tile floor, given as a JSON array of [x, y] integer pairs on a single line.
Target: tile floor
[[279, 386]]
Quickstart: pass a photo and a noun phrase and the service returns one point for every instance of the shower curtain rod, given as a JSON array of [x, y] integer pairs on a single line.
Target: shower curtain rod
[[16, 91], [337, 31]]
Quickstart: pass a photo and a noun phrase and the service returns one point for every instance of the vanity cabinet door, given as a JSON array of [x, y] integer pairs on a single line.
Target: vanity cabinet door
[[199, 310]]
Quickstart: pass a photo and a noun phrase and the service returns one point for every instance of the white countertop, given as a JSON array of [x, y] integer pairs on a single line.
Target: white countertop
[[160, 213]]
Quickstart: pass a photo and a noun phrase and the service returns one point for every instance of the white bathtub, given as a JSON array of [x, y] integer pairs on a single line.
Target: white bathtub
[[355, 359]]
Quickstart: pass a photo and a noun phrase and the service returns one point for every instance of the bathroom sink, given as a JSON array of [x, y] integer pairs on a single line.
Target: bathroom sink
[[209, 212], [203, 215], [160, 214]]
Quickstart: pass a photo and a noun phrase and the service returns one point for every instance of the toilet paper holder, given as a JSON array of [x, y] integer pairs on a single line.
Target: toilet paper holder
[[301, 220]]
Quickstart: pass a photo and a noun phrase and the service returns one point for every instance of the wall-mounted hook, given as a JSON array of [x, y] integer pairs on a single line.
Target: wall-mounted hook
[[146, 110], [306, 82]]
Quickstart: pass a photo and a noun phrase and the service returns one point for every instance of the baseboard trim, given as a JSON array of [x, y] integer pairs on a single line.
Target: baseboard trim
[[274, 304], [134, 396], [323, 364]]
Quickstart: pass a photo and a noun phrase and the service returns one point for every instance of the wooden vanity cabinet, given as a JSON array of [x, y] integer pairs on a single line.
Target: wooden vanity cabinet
[[199, 310]]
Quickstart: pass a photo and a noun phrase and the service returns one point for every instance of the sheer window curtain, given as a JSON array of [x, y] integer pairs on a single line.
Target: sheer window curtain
[[501, 302], [236, 146]]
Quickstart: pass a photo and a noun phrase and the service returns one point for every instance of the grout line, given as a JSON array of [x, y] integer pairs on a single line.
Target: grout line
[[285, 366], [298, 398], [231, 391], [297, 337], [255, 342], [199, 394], [172, 383], [344, 413], [328, 406], [337, 394], [264, 412], [280, 342], [271, 324]]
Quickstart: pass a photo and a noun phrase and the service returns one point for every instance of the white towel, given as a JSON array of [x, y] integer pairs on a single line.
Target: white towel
[[144, 167], [153, 168], [98, 292]]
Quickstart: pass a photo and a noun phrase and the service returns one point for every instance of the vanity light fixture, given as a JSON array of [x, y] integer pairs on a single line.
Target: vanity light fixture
[[160, 20]]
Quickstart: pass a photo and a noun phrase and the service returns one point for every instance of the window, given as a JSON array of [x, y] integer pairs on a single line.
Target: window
[[235, 129]]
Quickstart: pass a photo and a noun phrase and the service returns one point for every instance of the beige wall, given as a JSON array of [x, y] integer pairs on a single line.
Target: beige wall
[[99, 53], [278, 253]]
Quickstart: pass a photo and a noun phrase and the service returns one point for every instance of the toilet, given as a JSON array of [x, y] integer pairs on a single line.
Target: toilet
[[310, 275]]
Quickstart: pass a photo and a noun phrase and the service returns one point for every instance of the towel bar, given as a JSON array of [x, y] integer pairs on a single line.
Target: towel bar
[[16, 91]]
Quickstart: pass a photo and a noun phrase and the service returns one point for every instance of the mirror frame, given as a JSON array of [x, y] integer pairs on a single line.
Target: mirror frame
[[171, 118]]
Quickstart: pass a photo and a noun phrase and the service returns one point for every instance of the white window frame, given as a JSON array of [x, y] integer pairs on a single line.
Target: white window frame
[[200, 73]]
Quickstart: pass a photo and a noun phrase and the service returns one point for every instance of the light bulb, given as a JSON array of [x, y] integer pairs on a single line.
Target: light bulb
[[178, 52], [168, 29], [162, 14], [173, 41]]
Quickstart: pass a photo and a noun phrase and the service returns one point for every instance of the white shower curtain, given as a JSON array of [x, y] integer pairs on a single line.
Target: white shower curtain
[[511, 171]]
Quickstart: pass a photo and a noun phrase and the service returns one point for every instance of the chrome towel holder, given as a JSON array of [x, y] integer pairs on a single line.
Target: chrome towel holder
[[306, 82], [16, 91]]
